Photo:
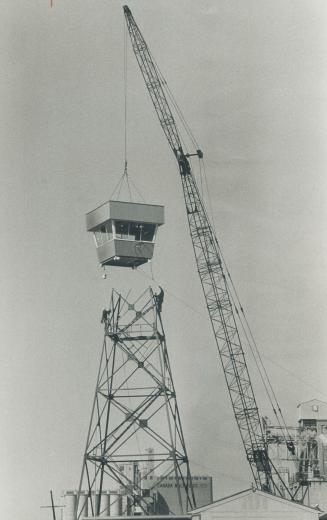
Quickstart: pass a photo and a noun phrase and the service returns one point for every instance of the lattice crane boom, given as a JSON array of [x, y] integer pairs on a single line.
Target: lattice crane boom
[[213, 279]]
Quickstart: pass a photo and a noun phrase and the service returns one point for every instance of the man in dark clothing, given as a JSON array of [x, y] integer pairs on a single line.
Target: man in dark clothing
[[159, 299], [105, 315]]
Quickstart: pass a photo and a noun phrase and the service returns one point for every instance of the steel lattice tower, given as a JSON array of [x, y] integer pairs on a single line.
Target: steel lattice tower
[[134, 409]]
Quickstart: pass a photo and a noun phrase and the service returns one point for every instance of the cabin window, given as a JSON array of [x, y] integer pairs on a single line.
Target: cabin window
[[134, 231], [148, 232], [103, 234], [122, 229]]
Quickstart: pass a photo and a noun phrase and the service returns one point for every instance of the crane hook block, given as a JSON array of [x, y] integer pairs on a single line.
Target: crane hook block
[[124, 232]]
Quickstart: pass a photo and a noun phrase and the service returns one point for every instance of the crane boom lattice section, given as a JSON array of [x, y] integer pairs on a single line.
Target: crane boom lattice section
[[153, 82]]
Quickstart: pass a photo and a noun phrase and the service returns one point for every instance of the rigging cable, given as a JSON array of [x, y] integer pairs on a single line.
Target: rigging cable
[[125, 96], [200, 313], [117, 187], [175, 104], [125, 112], [253, 347], [125, 176], [257, 363], [256, 353]]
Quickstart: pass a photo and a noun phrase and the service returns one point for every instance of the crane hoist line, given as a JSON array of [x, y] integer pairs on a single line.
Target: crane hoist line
[[213, 280]]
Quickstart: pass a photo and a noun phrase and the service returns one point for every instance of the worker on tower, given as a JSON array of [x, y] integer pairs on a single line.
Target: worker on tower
[[105, 315], [291, 447], [159, 299]]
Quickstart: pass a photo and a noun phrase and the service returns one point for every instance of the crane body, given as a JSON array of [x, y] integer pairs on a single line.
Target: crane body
[[213, 280]]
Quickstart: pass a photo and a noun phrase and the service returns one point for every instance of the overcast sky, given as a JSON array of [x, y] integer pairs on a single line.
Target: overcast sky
[[251, 78]]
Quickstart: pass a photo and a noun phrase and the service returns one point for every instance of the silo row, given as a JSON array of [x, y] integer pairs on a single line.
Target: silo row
[[111, 504]]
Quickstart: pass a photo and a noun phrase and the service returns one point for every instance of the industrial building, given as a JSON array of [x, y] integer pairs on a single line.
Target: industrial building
[[165, 492], [163, 495], [249, 504], [307, 462]]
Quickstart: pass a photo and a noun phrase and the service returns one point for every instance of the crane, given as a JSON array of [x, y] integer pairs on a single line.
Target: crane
[[214, 282]]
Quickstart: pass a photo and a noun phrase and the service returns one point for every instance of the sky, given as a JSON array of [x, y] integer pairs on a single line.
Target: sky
[[251, 79]]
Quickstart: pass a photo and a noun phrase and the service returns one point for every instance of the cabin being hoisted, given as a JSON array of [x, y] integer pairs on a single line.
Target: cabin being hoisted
[[125, 232]]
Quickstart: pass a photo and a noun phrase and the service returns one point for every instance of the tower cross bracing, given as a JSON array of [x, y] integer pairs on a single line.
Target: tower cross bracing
[[134, 409]]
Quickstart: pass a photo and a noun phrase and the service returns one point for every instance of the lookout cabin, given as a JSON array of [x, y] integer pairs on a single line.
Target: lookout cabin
[[125, 232]]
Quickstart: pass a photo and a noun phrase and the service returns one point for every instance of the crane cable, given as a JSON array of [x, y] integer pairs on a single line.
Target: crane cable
[[257, 363], [125, 177], [125, 96], [125, 174], [196, 311], [245, 325], [188, 130], [243, 328], [256, 355], [179, 112]]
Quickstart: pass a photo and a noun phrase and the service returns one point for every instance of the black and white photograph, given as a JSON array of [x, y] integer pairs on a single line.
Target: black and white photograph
[[164, 259]]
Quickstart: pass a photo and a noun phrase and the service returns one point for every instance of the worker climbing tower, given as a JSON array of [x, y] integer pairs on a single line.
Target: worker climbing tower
[[135, 439]]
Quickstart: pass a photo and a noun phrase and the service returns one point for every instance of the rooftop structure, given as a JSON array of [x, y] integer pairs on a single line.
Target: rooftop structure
[[313, 412], [252, 504]]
